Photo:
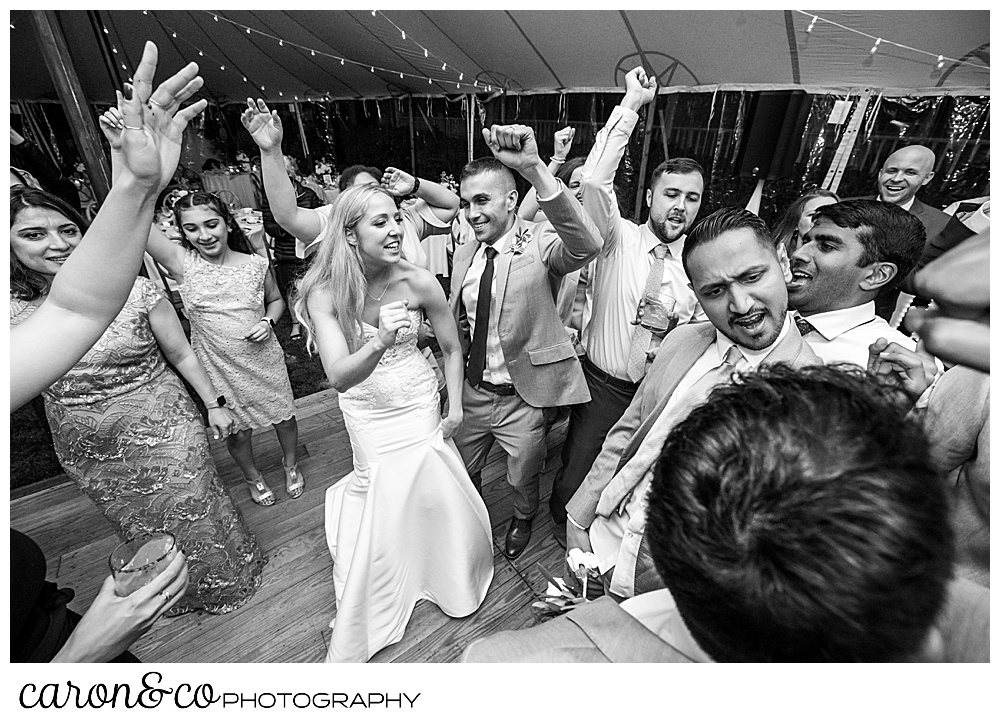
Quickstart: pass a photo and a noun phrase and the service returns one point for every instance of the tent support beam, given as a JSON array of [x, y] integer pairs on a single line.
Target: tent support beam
[[647, 137], [844, 150], [667, 122], [413, 146], [59, 62], [302, 131]]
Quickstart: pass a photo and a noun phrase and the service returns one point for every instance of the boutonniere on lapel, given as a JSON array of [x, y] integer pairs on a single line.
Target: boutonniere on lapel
[[521, 239]]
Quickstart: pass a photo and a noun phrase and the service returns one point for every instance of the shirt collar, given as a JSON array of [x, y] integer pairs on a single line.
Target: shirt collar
[[499, 244], [754, 356], [831, 324], [905, 206], [650, 242]]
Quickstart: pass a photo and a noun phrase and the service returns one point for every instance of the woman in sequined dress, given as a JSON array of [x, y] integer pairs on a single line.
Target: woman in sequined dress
[[232, 301], [124, 428], [407, 523]]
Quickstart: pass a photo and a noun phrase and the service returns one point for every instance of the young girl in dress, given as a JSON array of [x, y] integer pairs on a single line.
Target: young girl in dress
[[407, 523]]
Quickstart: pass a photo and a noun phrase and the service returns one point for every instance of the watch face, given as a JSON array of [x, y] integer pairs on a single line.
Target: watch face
[[221, 401]]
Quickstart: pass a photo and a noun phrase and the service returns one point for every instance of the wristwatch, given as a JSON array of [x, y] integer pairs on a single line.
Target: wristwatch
[[413, 191], [220, 401]]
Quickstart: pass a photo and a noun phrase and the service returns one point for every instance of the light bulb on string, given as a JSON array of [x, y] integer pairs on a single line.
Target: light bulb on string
[[373, 12], [124, 67], [175, 35], [812, 24], [429, 81], [940, 62], [216, 18], [444, 66], [248, 31], [313, 52], [425, 52], [341, 61], [400, 76], [373, 68], [222, 67], [461, 75], [281, 42], [114, 50], [874, 49], [404, 34], [105, 31], [244, 79]]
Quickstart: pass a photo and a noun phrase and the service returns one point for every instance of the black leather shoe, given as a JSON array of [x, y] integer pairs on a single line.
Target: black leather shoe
[[518, 535]]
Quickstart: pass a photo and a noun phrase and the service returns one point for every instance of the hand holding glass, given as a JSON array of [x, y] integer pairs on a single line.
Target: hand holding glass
[[140, 559], [656, 313]]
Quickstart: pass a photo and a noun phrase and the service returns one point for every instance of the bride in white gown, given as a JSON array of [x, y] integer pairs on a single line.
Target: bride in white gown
[[407, 523]]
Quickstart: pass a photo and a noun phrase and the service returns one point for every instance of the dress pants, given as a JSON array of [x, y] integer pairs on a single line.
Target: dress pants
[[589, 424], [520, 430]]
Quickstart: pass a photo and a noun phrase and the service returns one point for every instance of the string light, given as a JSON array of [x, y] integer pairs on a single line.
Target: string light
[[940, 59], [403, 32], [444, 66], [281, 43], [114, 50], [222, 67], [105, 31]]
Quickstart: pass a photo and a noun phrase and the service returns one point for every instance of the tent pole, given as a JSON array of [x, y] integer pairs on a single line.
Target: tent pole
[[54, 49], [843, 154], [302, 131], [413, 147], [647, 137], [667, 122]]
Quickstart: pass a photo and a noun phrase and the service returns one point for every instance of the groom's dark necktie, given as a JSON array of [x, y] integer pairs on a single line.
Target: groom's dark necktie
[[477, 354]]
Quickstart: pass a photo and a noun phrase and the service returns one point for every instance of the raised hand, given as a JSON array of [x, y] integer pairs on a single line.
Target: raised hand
[[112, 125], [514, 146], [639, 89], [398, 183], [391, 318], [562, 141], [912, 371], [153, 122], [264, 125]]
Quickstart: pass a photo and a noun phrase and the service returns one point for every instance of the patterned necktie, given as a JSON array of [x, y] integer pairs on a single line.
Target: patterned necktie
[[802, 325], [617, 493], [477, 354], [636, 368]]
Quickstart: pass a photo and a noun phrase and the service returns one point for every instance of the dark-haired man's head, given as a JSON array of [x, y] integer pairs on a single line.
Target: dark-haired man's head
[[358, 174], [855, 250], [674, 197], [796, 516], [733, 267], [488, 198]]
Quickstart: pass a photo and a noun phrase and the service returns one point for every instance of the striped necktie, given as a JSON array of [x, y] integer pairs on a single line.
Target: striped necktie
[[641, 337]]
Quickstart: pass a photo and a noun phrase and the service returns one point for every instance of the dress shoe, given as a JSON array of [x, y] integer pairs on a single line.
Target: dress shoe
[[518, 535]]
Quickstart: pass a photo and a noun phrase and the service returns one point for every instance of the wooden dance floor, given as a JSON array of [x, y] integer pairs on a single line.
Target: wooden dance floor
[[287, 620]]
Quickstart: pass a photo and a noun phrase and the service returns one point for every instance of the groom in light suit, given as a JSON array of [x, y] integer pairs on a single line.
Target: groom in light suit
[[734, 270], [519, 358]]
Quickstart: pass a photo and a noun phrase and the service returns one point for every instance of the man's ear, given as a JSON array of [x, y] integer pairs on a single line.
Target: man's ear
[[512, 200], [879, 274], [649, 198], [928, 179], [786, 266]]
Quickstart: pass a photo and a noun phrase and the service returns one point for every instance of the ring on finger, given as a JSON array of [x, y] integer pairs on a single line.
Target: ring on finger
[[164, 594]]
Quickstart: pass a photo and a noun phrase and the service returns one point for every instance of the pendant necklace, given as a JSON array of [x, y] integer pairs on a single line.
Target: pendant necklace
[[379, 297]]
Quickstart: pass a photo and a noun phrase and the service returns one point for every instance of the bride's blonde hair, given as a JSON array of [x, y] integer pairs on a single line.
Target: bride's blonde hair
[[338, 268]]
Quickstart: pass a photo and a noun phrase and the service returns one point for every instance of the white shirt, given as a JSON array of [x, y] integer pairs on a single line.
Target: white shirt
[[625, 259], [844, 335], [496, 365], [616, 539], [657, 612]]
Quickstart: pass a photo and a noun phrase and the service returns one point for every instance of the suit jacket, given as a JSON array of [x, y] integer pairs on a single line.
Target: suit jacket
[[540, 357], [601, 632], [957, 421], [678, 353], [598, 632]]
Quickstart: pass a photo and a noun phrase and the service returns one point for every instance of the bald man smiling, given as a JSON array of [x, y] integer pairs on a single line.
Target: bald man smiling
[[904, 173]]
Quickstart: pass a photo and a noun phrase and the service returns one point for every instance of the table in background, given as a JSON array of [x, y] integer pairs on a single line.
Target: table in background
[[238, 183]]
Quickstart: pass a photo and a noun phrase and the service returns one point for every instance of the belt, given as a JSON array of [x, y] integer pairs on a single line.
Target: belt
[[605, 378], [501, 390]]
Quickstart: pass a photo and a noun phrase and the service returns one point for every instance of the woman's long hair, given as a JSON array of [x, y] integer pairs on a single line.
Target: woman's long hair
[[565, 172], [237, 240], [25, 283], [338, 269], [787, 229]]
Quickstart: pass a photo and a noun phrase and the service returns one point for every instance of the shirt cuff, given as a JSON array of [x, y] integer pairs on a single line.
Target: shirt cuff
[[554, 195], [575, 524], [924, 399]]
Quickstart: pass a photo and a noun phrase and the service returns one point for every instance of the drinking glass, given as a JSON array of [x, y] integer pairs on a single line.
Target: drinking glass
[[656, 312], [138, 560]]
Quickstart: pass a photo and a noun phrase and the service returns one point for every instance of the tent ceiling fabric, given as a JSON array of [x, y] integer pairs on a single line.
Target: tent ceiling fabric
[[524, 51]]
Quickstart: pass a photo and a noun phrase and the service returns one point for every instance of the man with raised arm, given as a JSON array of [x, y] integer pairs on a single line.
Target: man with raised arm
[[634, 260], [520, 359]]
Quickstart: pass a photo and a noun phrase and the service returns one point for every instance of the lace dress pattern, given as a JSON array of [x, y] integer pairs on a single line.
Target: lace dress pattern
[[128, 434], [222, 303]]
